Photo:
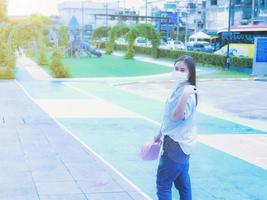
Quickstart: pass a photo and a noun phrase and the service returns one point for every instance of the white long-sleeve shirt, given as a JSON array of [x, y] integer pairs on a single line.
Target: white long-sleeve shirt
[[182, 131]]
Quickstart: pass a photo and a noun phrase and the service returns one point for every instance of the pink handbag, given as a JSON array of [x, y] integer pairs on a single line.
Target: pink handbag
[[150, 150]]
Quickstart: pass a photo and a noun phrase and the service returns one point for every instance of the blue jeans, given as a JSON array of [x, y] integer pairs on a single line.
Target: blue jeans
[[170, 172]]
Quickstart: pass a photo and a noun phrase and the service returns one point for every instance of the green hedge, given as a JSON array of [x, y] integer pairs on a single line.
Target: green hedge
[[200, 57], [242, 62], [143, 50]]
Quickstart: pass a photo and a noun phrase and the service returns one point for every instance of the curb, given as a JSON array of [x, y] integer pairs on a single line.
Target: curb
[[169, 81], [49, 77], [227, 79]]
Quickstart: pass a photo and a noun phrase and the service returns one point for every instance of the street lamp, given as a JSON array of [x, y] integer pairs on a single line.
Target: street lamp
[[106, 12], [186, 28], [177, 21], [228, 60], [82, 21]]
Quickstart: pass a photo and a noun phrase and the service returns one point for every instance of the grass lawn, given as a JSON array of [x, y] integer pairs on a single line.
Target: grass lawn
[[110, 66], [113, 66]]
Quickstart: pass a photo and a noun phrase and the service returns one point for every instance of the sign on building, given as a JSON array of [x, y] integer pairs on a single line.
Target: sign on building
[[260, 57], [171, 17], [170, 6]]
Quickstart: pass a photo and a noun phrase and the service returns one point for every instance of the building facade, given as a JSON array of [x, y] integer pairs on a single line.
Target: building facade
[[212, 15], [85, 11], [217, 12], [192, 15]]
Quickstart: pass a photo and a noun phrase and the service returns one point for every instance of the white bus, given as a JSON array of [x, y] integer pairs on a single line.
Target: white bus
[[241, 40]]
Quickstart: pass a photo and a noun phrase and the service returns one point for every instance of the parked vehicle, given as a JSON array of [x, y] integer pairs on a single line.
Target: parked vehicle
[[175, 45], [121, 41], [163, 44], [142, 42], [202, 46], [102, 39]]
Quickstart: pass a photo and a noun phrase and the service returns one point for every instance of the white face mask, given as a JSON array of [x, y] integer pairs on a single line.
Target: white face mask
[[179, 77]]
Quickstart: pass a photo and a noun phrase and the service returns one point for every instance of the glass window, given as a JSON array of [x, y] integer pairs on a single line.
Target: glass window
[[213, 2], [241, 37], [263, 5]]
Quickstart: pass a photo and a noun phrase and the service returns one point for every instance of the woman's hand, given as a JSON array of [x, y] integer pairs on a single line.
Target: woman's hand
[[189, 89], [179, 109]]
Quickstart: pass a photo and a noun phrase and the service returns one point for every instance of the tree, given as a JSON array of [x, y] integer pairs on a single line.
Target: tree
[[19, 33], [3, 10], [30, 33], [143, 30], [32, 29], [63, 37], [115, 32], [100, 32]]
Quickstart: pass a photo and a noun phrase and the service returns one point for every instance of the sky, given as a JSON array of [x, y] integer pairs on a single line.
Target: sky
[[49, 7]]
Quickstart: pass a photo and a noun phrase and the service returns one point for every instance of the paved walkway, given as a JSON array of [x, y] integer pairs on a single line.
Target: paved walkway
[[59, 167], [40, 160]]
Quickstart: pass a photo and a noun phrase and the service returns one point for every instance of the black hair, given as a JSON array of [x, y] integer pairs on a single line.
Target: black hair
[[191, 65]]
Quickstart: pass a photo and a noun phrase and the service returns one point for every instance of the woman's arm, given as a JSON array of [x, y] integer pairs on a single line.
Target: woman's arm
[[179, 110]]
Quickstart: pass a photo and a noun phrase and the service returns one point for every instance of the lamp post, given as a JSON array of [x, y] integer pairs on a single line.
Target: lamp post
[[177, 21], [106, 13], [228, 60], [253, 12], [82, 20], [146, 11], [186, 28]]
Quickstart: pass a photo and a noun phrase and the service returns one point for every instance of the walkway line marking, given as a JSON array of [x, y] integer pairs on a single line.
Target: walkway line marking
[[87, 147], [210, 110], [248, 147], [101, 99]]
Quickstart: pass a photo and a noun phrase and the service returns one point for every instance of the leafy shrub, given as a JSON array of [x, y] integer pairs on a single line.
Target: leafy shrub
[[6, 73], [42, 59], [61, 72], [57, 66]]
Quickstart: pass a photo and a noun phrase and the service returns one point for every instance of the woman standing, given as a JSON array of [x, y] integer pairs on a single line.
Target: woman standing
[[179, 132]]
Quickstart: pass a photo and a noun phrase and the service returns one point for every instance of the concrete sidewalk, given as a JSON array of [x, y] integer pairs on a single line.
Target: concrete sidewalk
[[41, 160]]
